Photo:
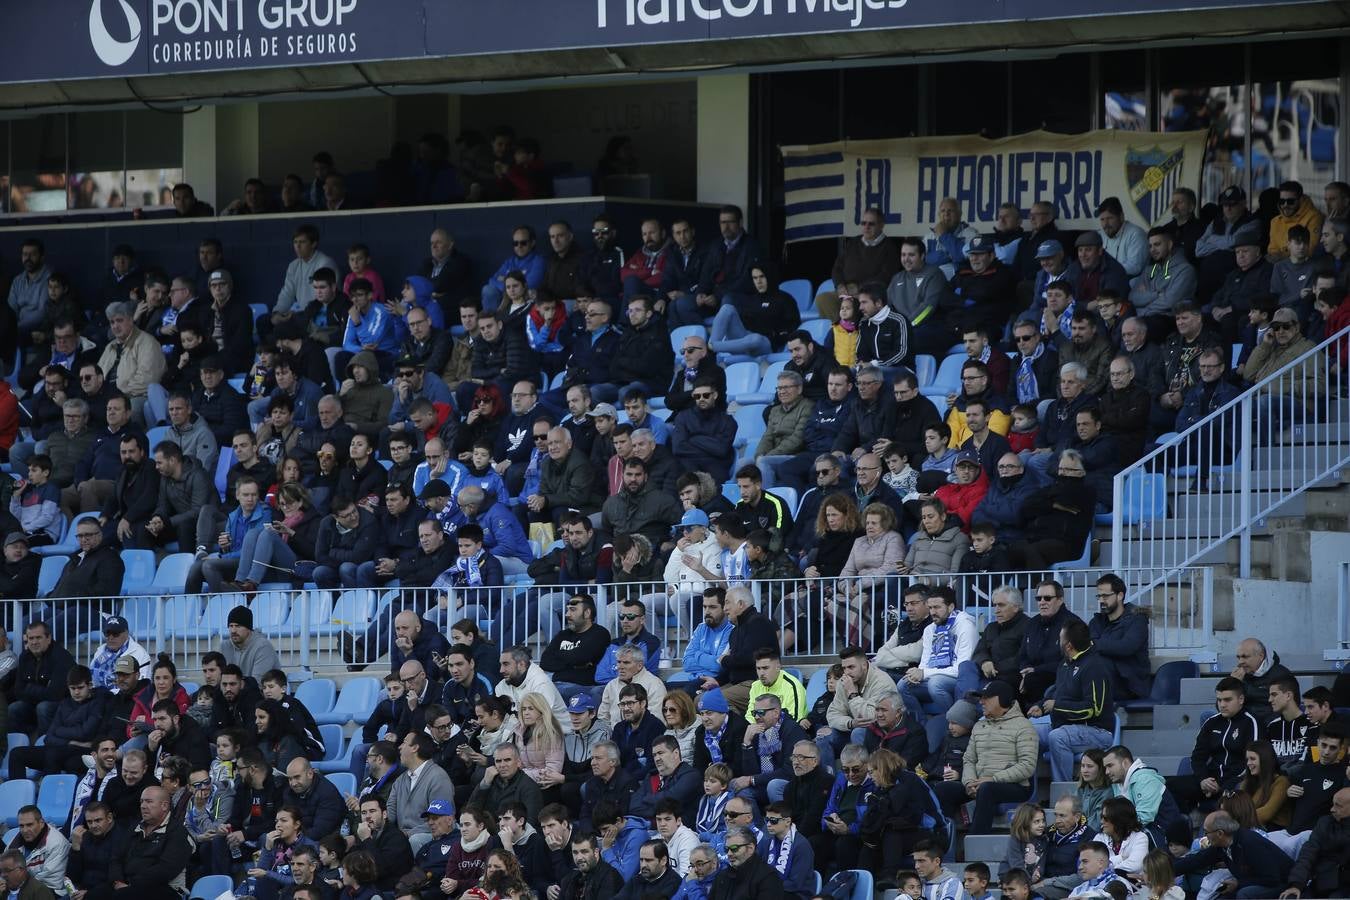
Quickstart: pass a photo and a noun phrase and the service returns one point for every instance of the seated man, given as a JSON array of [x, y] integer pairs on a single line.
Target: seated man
[[1000, 760], [523, 258], [1081, 707], [1321, 865], [584, 558], [92, 574], [1315, 783], [572, 655], [767, 746], [155, 863], [1120, 634], [347, 537], [185, 489], [631, 671], [635, 728], [702, 436], [671, 778], [1218, 762], [228, 534], [949, 639]]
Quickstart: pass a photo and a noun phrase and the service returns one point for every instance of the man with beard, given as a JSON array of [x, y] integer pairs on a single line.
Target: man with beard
[[820, 431], [920, 293], [134, 494], [592, 878], [975, 386], [644, 270], [1167, 280], [1120, 634], [702, 437]]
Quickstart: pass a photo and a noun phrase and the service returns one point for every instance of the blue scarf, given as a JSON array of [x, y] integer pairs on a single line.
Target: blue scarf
[[468, 566], [770, 742], [944, 650], [735, 566], [1027, 389], [713, 742], [710, 810]]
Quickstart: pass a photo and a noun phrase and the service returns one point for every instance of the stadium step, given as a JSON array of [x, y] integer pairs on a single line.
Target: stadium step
[[1182, 717]]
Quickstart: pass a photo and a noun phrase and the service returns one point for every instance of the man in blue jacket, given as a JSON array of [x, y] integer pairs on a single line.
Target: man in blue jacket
[[1002, 505], [523, 258], [703, 653], [1081, 707], [1120, 634], [251, 514], [788, 852], [620, 837], [320, 803]]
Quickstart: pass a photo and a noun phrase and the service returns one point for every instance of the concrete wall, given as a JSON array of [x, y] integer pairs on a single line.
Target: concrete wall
[[724, 140]]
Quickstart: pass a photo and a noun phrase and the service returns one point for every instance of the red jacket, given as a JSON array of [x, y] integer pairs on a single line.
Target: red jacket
[[9, 416], [145, 701], [648, 269], [963, 498]]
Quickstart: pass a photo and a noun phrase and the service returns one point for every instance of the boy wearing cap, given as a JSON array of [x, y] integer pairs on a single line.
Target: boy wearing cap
[[118, 644]]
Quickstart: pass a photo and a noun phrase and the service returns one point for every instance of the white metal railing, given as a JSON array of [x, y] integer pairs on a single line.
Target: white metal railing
[[1225, 474], [317, 630], [1341, 653]]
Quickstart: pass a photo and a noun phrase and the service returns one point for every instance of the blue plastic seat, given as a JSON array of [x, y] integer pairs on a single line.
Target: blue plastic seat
[[270, 611], [223, 463], [1082, 562], [209, 887], [333, 743], [154, 436], [925, 368], [171, 576], [50, 573], [354, 704], [14, 795], [677, 336], [789, 496], [212, 621], [181, 612], [768, 386], [345, 782], [1145, 498], [16, 739], [948, 377], [236, 382], [742, 378], [749, 426], [731, 491], [815, 688], [826, 285], [141, 614], [819, 329], [318, 695], [138, 570], [318, 605], [862, 890], [799, 289], [351, 611], [1166, 685]]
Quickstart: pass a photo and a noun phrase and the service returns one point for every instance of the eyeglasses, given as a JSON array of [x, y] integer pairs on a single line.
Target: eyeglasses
[[703, 395], [868, 468], [628, 703], [601, 315], [441, 726], [201, 785], [1289, 201], [736, 848], [803, 757], [1026, 338], [521, 243], [628, 617], [1274, 326], [852, 770], [407, 373], [759, 713], [736, 815], [1047, 597], [687, 350], [821, 473], [541, 437], [670, 709], [601, 230]]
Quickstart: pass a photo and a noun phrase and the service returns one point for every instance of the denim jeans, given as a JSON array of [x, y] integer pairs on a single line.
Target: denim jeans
[[684, 310], [1067, 742], [263, 546], [935, 695], [729, 334]]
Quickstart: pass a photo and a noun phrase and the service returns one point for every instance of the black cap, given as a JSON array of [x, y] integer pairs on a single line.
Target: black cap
[[288, 330], [980, 243], [212, 362], [1000, 689], [435, 488], [407, 361], [1232, 194], [124, 250]]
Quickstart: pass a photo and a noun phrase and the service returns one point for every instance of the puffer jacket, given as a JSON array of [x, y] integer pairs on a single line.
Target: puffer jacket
[[569, 484], [783, 428], [649, 512], [874, 557], [1001, 506], [963, 499], [1005, 749], [929, 555]]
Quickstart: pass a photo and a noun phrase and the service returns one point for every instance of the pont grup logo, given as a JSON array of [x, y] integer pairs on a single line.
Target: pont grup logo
[[109, 49]]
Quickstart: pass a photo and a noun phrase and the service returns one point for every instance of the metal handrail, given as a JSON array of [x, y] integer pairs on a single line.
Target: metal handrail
[[1221, 447]]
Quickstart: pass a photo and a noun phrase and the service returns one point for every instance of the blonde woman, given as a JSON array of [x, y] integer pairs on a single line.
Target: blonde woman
[[539, 738], [873, 557], [681, 718]]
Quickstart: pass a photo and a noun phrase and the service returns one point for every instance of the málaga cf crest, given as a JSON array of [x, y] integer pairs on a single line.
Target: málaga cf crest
[[1152, 176]]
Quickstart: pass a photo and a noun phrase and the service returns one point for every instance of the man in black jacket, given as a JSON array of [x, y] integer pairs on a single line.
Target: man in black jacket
[[384, 841], [871, 418], [256, 800], [134, 496], [696, 362], [155, 863], [655, 875], [90, 577], [1258, 867], [38, 683], [1218, 762], [1081, 707], [94, 845], [178, 735], [433, 555], [1323, 864], [753, 631], [726, 267], [643, 356], [19, 569], [592, 878], [748, 874], [1039, 658], [346, 538], [808, 790], [573, 653], [222, 407]]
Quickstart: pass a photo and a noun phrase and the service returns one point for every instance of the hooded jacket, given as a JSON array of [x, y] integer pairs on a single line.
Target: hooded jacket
[[197, 441], [1305, 214], [1143, 787], [1004, 749], [366, 407], [648, 512], [937, 554], [1162, 285]]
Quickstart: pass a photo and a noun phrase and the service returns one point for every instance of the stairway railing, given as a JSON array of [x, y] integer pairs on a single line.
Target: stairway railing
[[1298, 415]]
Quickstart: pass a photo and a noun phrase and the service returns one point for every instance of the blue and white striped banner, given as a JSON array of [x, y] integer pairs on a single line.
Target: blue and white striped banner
[[827, 187]]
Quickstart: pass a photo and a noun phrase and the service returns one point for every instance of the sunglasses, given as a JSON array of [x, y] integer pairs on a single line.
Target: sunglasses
[[628, 617], [541, 437], [1289, 201], [703, 395], [759, 713], [773, 820], [852, 770], [521, 243], [1281, 326], [600, 230], [687, 350], [408, 373], [821, 473]]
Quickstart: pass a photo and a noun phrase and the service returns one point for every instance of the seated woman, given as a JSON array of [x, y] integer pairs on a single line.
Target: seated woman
[[467, 859], [266, 878], [1124, 837], [681, 720], [277, 739], [863, 580], [1267, 786], [539, 738], [901, 810], [163, 686], [937, 546], [268, 554], [838, 525], [755, 324]]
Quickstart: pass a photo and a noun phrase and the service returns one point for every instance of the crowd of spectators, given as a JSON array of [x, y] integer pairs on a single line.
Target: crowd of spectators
[[449, 438]]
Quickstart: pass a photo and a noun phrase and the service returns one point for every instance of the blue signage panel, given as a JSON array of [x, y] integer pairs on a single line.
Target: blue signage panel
[[66, 39], [69, 39]]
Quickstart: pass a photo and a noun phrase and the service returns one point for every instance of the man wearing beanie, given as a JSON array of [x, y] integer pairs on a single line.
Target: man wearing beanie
[[250, 650]]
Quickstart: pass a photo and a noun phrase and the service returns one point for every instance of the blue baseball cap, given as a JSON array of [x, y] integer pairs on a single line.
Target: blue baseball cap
[[1048, 249], [581, 703], [691, 518], [440, 808]]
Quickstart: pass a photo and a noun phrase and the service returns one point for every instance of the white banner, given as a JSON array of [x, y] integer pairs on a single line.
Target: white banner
[[827, 187]]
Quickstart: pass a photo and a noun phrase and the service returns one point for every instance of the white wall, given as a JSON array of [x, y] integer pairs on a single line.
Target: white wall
[[724, 140]]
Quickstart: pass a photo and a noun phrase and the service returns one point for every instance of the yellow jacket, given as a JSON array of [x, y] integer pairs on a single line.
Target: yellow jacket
[[1306, 215]]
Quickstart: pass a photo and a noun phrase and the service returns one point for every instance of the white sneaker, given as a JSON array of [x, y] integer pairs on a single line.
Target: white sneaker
[[201, 552]]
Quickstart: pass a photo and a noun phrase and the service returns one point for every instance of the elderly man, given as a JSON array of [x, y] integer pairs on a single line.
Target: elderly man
[[566, 481], [1058, 427], [19, 882], [753, 631], [132, 361], [871, 256], [506, 782], [674, 780], [766, 747], [1125, 409], [631, 669], [784, 425], [1321, 865], [69, 446], [1094, 270], [1255, 866], [1299, 387], [747, 873], [1257, 668], [95, 571]]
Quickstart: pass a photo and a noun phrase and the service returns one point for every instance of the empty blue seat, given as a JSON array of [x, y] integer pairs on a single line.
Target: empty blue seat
[[768, 386], [789, 496], [818, 329], [815, 688], [345, 782], [209, 887], [1082, 562], [352, 611], [141, 614], [318, 695], [17, 794], [925, 368], [16, 739], [1166, 685], [354, 704], [212, 621], [223, 463], [171, 576], [155, 436], [799, 289], [270, 610], [50, 573], [332, 741], [749, 426], [948, 377], [742, 378], [731, 491], [138, 570]]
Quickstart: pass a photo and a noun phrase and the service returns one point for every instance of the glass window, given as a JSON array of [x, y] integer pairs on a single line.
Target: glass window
[[1203, 88], [38, 166], [154, 157], [958, 111], [1124, 100], [97, 176], [1296, 89], [1034, 81]]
